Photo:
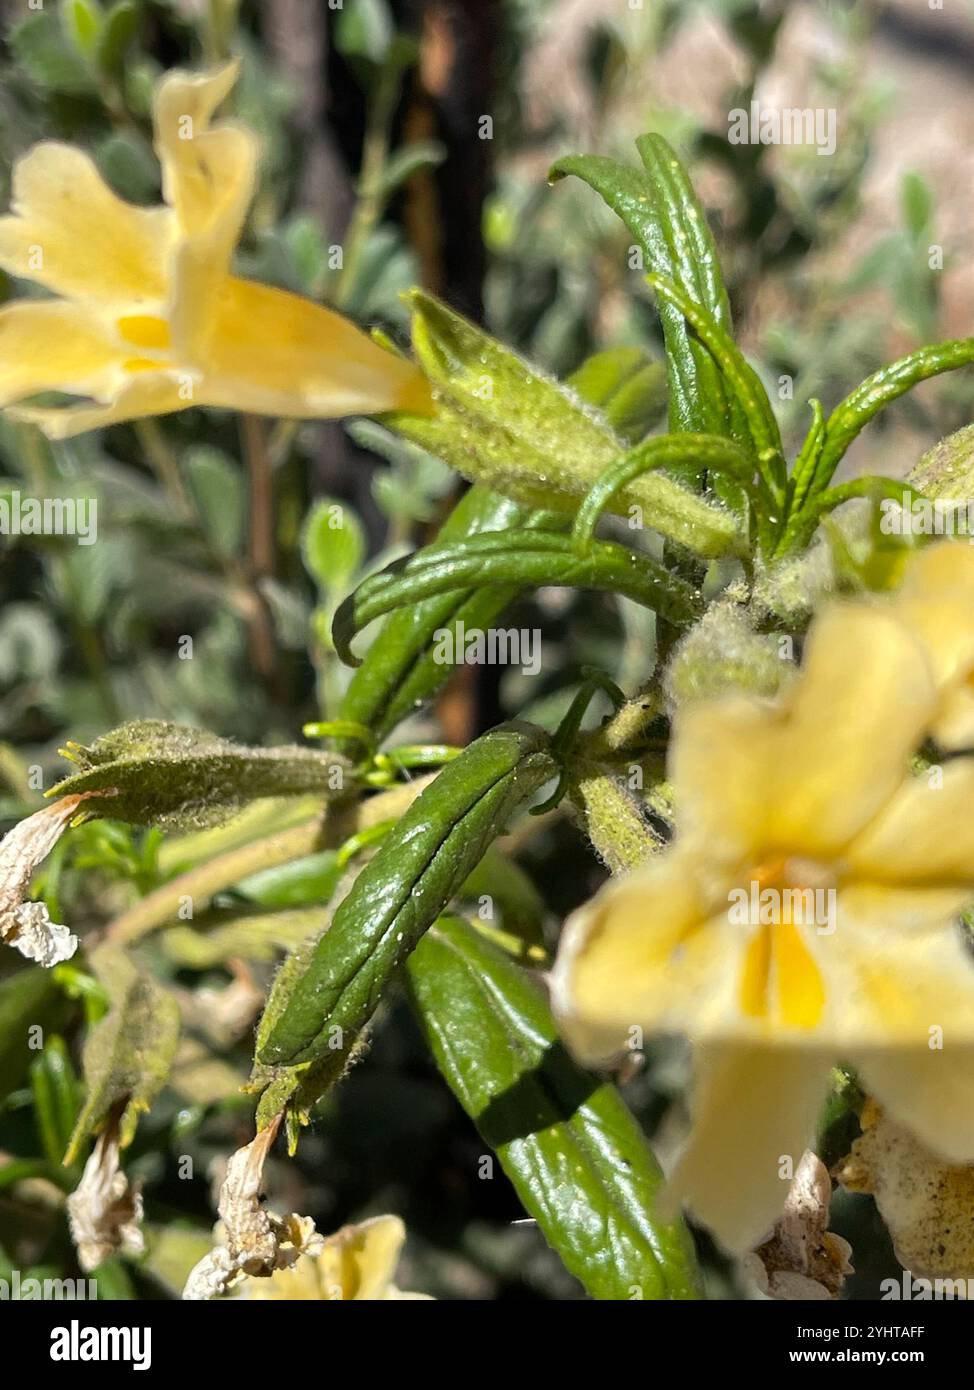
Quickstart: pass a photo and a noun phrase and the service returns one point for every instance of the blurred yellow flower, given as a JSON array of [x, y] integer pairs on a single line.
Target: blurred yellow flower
[[148, 318], [806, 912], [358, 1262], [936, 600]]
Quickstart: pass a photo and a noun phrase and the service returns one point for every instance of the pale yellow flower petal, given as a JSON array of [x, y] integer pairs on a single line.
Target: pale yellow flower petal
[[152, 393], [643, 955], [71, 233], [301, 1281], [936, 600], [802, 776], [722, 766], [358, 1263], [207, 173], [930, 1091], [362, 1258], [897, 969], [278, 354], [925, 833], [754, 1114], [53, 345], [954, 726]]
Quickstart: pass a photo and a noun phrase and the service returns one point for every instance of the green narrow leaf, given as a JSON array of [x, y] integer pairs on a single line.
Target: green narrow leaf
[[215, 482], [803, 473], [57, 1098], [566, 1140], [170, 775], [525, 559], [742, 380], [663, 214], [710, 452], [83, 23], [129, 1052], [117, 35], [916, 200], [419, 154], [399, 672], [852, 415], [423, 861]]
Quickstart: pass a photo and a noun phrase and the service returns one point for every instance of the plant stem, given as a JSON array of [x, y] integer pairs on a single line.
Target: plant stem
[[164, 463], [202, 882]]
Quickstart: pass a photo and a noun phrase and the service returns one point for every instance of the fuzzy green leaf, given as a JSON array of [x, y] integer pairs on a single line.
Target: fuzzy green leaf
[[501, 421], [627, 387], [129, 1052], [154, 773]]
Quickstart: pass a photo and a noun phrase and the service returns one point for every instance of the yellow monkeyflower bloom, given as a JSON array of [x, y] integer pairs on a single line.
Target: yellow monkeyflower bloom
[[806, 911], [358, 1262], [147, 317], [936, 600]]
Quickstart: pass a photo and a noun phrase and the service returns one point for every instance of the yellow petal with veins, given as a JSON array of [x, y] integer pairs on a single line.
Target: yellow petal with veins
[[53, 345], [209, 176], [71, 233], [278, 354], [754, 1107]]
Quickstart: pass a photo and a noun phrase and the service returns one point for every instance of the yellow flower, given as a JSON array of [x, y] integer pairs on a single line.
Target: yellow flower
[[148, 318], [936, 600], [358, 1262], [806, 911]]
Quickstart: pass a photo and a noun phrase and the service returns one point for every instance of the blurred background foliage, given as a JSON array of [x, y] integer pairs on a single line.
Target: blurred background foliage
[[408, 143]]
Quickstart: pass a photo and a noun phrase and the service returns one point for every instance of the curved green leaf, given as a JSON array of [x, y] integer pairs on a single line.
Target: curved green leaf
[[398, 672], [663, 213], [870, 396], [566, 1140], [318, 1009], [525, 559]]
